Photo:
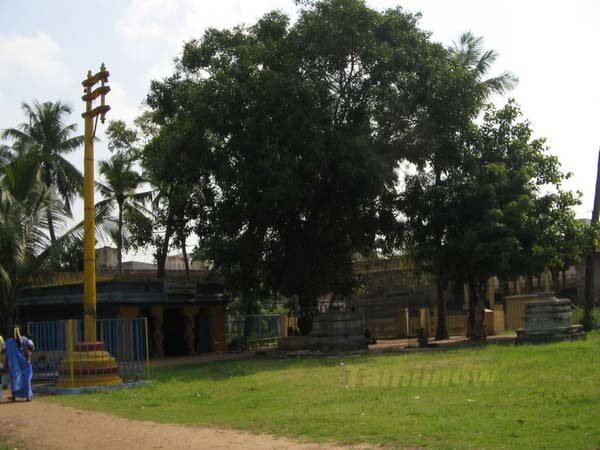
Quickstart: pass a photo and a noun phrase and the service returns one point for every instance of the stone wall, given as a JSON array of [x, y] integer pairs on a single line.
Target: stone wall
[[388, 286]]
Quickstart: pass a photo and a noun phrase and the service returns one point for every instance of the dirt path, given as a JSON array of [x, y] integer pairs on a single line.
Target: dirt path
[[45, 426]]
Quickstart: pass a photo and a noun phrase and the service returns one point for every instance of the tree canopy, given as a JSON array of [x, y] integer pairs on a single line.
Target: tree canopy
[[302, 127]]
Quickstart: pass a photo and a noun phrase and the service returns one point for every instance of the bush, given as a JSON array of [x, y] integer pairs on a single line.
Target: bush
[[578, 316]]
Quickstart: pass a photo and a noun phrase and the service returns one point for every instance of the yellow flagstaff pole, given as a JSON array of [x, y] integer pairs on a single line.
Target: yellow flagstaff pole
[[89, 239], [96, 367]]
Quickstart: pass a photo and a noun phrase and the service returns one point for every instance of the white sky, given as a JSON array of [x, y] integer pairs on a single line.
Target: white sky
[[46, 48]]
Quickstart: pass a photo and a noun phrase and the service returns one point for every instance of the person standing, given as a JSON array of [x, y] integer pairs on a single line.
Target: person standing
[[18, 361]]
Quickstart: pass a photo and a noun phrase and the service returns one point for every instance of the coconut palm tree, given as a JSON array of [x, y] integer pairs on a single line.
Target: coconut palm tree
[[119, 189], [25, 247], [25, 204], [46, 134], [469, 51]]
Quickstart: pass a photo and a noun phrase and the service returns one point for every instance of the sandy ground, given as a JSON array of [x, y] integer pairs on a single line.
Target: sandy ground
[[44, 426]]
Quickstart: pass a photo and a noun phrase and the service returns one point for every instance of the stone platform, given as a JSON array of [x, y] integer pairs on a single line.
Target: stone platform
[[90, 364], [337, 331], [548, 320]]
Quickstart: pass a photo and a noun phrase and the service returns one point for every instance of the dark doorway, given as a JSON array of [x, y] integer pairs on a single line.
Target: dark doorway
[[203, 332], [174, 332]]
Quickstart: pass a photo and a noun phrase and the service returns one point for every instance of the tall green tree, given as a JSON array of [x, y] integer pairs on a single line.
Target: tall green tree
[[46, 133], [444, 136], [512, 214], [300, 129]]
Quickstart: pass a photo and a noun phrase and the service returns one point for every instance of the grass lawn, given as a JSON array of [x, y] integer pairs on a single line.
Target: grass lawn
[[527, 397], [8, 444]]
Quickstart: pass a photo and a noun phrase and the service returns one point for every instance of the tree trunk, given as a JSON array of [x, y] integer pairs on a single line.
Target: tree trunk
[[50, 220], [49, 217], [504, 287], [120, 240], [590, 294], [160, 267], [441, 332], [473, 300], [555, 280], [184, 253], [442, 327], [307, 310], [564, 279], [529, 284]]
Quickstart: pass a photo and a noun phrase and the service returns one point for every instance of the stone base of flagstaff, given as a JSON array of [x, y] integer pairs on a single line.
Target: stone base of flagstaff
[[88, 365]]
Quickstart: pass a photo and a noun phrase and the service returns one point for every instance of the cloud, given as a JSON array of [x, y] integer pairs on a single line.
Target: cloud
[[153, 31], [176, 20], [121, 105], [146, 19], [30, 56]]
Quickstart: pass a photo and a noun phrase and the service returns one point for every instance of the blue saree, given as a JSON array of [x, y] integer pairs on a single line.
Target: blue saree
[[19, 368]]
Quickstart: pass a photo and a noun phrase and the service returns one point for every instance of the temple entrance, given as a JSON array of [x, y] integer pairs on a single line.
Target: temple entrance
[[203, 332], [174, 332]]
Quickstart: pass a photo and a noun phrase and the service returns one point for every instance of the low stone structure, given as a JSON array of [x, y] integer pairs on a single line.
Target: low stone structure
[[548, 319], [338, 331], [293, 343]]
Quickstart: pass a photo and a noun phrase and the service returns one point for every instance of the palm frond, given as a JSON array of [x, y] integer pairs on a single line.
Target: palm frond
[[503, 83]]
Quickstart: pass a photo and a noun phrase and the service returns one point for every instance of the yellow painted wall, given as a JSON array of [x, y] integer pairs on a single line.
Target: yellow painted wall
[[499, 319], [128, 312], [403, 323], [515, 310]]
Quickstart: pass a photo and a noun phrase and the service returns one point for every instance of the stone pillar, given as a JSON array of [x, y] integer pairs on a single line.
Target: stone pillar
[[190, 312], [403, 322], [498, 319], [424, 319], [284, 324], [156, 312]]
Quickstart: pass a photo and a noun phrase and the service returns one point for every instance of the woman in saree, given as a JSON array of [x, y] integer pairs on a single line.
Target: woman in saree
[[18, 355]]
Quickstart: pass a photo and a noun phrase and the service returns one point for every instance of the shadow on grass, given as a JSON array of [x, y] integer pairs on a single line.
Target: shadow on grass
[[272, 362]]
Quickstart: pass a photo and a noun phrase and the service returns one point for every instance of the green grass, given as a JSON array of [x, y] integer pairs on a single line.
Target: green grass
[[578, 314], [9, 444], [526, 397]]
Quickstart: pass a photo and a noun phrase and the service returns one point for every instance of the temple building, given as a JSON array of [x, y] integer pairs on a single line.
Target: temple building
[[185, 316]]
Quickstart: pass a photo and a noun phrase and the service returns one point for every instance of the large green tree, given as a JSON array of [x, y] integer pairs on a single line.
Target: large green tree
[[46, 133], [513, 218], [302, 127]]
